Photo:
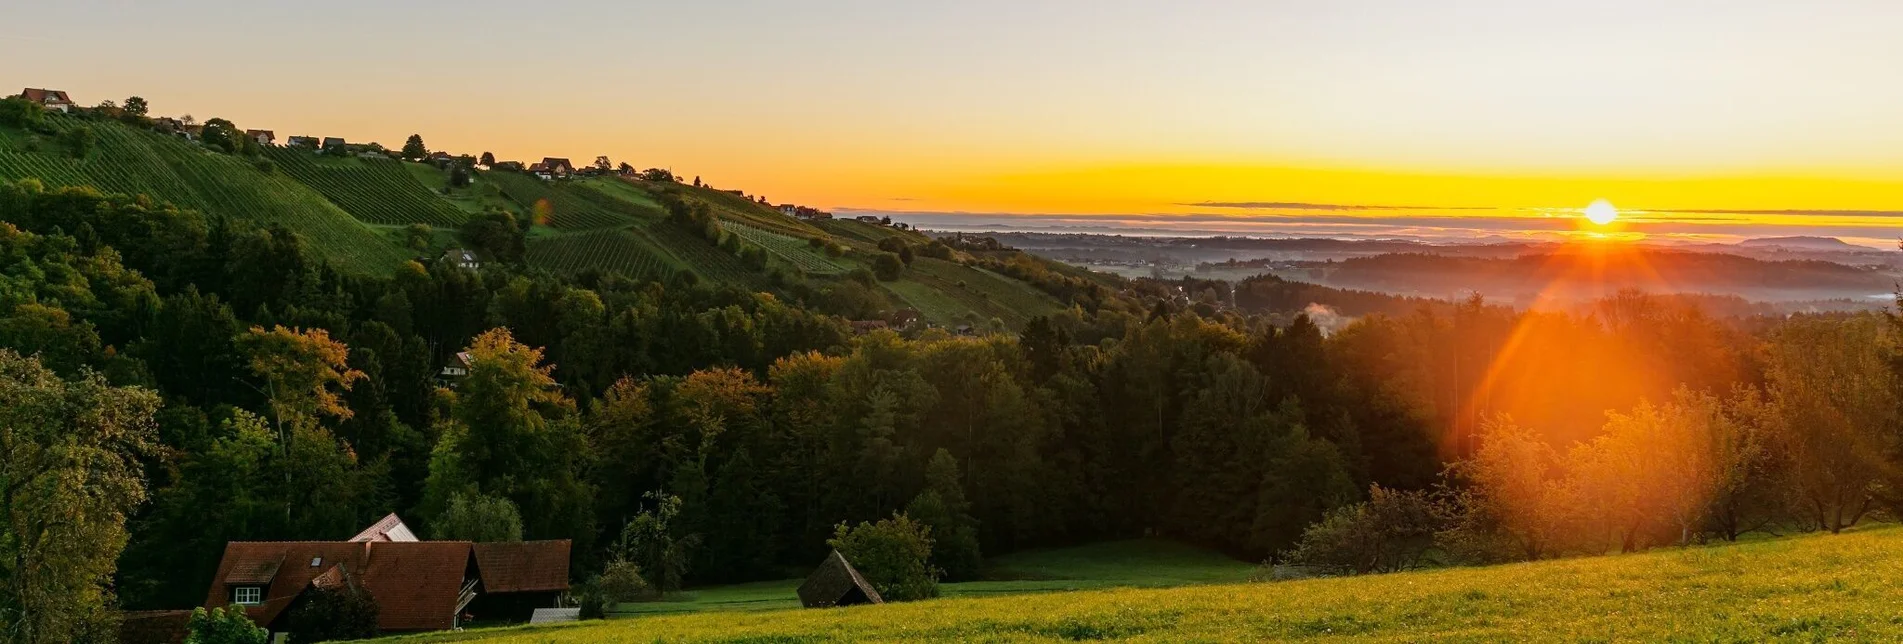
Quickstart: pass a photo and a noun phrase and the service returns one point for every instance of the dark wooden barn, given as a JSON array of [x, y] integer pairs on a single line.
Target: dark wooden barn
[[837, 583]]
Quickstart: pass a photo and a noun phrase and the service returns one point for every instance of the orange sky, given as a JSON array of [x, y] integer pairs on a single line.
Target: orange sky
[[1058, 107]]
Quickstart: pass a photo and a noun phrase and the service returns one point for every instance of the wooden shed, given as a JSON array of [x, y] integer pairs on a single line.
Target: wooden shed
[[837, 583]]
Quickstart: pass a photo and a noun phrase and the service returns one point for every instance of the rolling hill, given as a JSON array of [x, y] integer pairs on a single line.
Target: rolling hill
[[351, 210]]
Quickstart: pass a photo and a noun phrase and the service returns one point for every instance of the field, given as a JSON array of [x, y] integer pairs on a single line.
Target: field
[[946, 291], [631, 252], [568, 205], [136, 161], [1810, 588], [377, 191]]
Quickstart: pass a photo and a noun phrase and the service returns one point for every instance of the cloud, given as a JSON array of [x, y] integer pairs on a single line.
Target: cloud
[[1298, 205], [1802, 213]]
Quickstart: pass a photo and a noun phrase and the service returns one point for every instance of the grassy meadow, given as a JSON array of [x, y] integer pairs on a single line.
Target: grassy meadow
[[1811, 588]]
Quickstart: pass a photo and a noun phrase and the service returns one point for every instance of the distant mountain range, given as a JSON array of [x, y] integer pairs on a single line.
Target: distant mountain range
[[1803, 242]]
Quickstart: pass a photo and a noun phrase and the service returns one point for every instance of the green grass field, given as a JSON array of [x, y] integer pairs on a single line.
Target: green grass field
[[136, 161], [1801, 589]]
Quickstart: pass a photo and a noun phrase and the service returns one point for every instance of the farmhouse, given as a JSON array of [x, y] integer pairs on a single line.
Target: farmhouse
[[552, 168], [457, 368], [305, 142], [53, 99], [263, 137], [334, 143], [789, 209], [870, 219], [417, 585], [463, 258]]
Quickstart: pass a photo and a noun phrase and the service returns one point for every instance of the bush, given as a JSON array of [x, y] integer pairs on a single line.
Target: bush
[[333, 614], [892, 554], [592, 602], [621, 582], [887, 266], [19, 112], [80, 141], [1389, 532], [223, 626]]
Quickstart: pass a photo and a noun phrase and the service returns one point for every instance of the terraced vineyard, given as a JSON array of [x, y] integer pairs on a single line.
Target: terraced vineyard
[[701, 257], [135, 161], [630, 252], [378, 191], [569, 207], [946, 290], [794, 251], [864, 232]]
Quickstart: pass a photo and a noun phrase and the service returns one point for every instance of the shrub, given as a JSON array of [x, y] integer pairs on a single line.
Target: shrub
[[887, 266], [893, 554], [223, 626], [333, 614], [19, 112], [621, 582], [1389, 532], [592, 602], [80, 141]]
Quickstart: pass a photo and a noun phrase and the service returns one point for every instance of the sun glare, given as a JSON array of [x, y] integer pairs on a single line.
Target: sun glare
[[1601, 212]]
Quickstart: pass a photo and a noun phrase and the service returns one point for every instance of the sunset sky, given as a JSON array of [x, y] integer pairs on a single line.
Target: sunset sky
[[1219, 109]]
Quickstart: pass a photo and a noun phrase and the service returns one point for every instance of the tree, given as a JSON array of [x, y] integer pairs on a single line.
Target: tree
[[1833, 401], [488, 160], [1518, 504], [649, 541], [19, 112], [70, 473], [893, 554], [658, 174], [603, 164], [413, 148], [417, 237], [478, 518], [887, 266], [621, 582], [304, 373], [1390, 532], [135, 107], [497, 235], [943, 509], [80, 141], [460, 177], [223, 626], [222, 134]]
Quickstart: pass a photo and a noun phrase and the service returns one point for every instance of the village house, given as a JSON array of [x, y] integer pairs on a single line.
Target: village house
[[789, 209], [334, 143], [552, 168], [304, 142], [417, 585], [463, 258], [457, 368], [870, 219], [52, 99], [263, 137]]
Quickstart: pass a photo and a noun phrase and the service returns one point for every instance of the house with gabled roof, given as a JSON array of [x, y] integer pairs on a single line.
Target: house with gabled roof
[[52, 99], [417, 585], [553, 168], [263, 137]]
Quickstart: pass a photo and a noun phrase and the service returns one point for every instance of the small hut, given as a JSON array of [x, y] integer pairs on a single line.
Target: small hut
[[837, 583]]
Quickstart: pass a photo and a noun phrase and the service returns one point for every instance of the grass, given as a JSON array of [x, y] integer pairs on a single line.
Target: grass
[[946, 292], [137, 161], [1813, 588]]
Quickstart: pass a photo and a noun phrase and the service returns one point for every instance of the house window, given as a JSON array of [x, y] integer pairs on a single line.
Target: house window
[[247, 595]]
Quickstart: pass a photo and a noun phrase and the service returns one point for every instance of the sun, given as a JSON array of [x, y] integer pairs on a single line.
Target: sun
[[1601, 212]]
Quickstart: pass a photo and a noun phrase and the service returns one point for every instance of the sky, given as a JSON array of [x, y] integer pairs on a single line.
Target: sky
[[1471, 112]]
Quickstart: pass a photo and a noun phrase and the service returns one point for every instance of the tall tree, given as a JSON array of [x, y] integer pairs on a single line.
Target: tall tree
[[413, 148], [70, 474]]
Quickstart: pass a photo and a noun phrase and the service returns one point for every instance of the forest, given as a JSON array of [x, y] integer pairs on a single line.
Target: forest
[[174, 381]]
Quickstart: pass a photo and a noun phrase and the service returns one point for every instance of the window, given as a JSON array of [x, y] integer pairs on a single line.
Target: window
[[317, 561], [247, 595]]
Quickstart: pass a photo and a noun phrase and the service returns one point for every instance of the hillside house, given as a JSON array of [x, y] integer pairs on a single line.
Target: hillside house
[[263, 137], [334, 143], [303, 142], [789, 209], [417, 585], [463, 258], [870, 219], [552, 168], [457, 368], [52, 99]]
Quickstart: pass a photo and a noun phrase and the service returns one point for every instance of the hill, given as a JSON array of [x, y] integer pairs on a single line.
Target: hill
[[1801, 242], [1798, 589], [352, 210], [137, 161]]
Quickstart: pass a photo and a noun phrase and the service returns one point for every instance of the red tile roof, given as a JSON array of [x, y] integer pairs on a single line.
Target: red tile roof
[[523, 567], [415, 583], [46, 96]]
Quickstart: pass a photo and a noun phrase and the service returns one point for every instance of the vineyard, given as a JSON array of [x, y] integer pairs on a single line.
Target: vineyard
[[569, 207], [133, 161], [630, 252], [974, 290], [866, 233], [794, 251], [377, 191], [699, 256]]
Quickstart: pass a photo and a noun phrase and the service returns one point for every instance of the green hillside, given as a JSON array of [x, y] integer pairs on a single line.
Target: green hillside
[[136, 161], [350, 209], [1806, 589]]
